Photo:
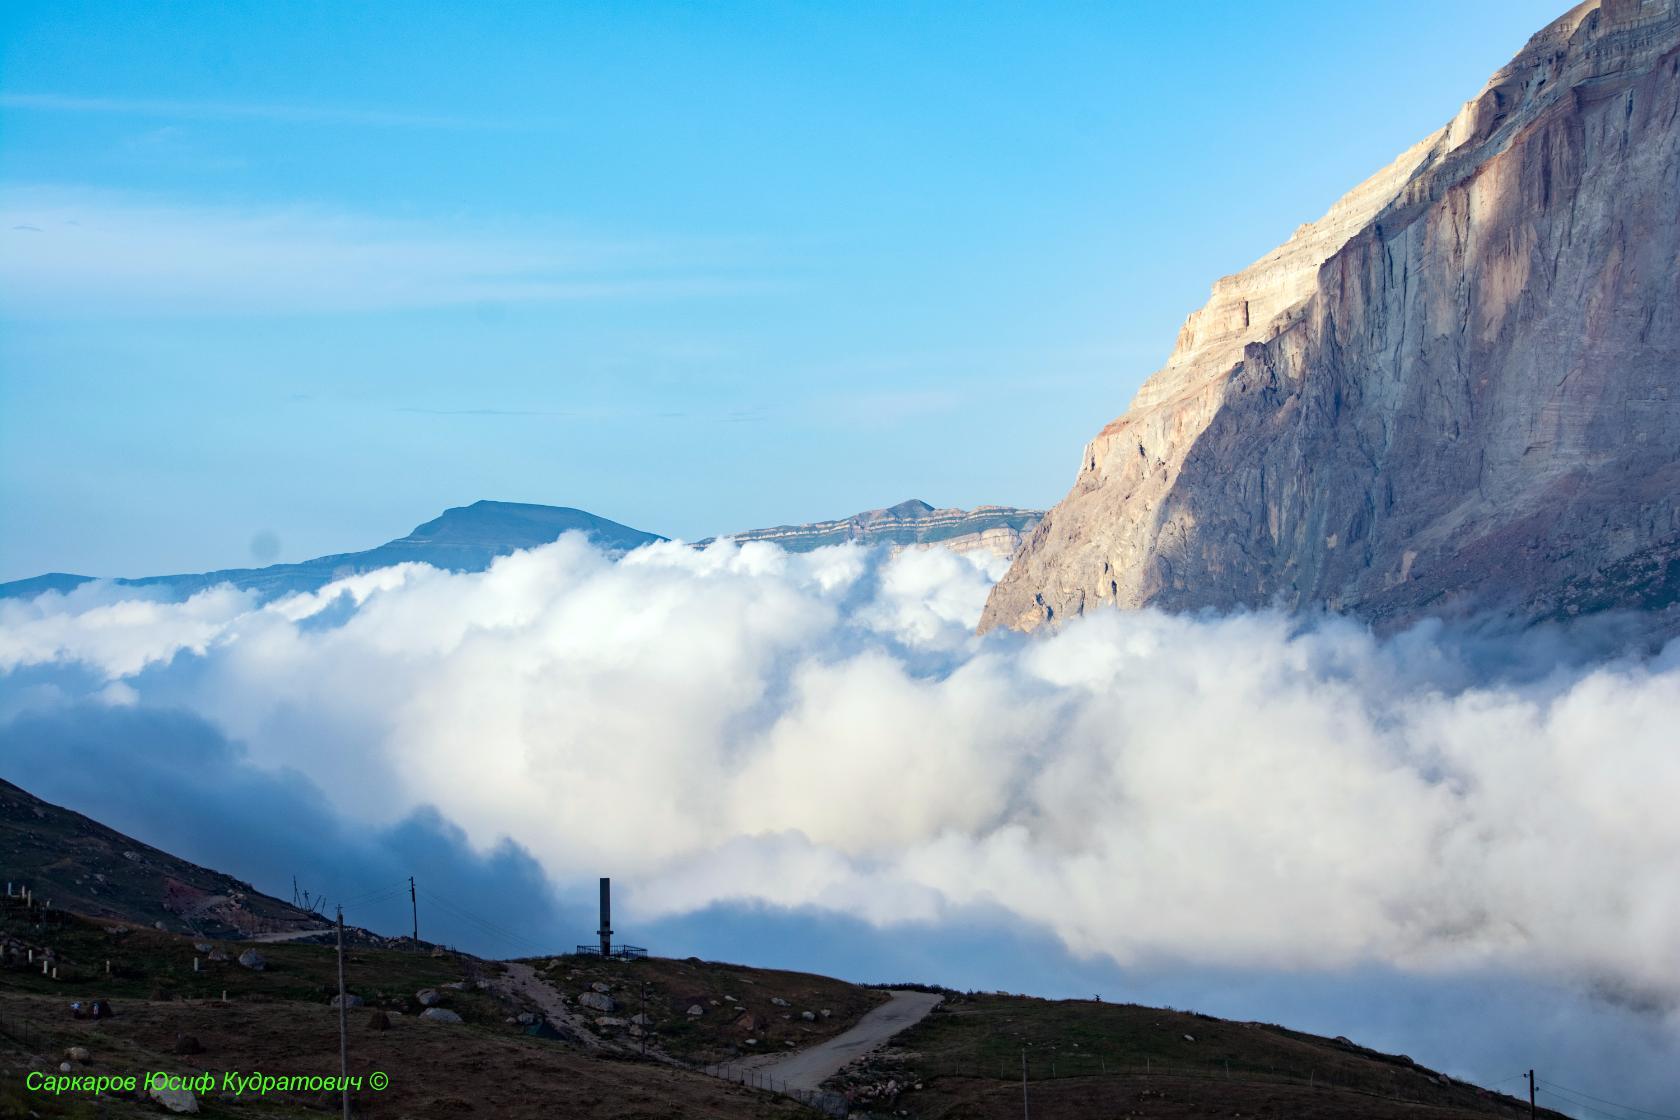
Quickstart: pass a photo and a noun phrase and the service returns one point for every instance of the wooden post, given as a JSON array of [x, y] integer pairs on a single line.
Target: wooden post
[[343, 1020]]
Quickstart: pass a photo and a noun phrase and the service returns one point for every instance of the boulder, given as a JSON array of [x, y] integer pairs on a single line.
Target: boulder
[[457, 986], [203, 946], [440, 1015], [349, 1000], [428, 997], [598, 986], [1189, 1038], [524, 1019], [779, 1001], [808, 1016], [254, 961], [609, 1021], [595, 1001], [217, 955], [78, 1054], [642, 1020], [695, 1011], [175, 1100]]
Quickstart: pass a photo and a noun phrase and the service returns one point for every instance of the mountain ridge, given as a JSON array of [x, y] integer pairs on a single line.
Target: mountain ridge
[[909, 524], [462, 538], [468, 538]]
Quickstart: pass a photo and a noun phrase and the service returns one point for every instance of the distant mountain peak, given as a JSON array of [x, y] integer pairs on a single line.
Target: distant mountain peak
[[462, 539], [913, 523]]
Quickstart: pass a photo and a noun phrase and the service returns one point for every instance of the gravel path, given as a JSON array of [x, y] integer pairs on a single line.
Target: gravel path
[[810, 1067]]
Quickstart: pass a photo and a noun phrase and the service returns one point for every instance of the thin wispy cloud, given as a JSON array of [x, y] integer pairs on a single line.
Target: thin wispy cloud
[[237, 111], [102, 253], [482, 411]]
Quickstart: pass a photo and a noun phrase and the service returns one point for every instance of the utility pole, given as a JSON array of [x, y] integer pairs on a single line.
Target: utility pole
[[1025, 1115], [415, 906], [1531, 1095], [343, 1020]]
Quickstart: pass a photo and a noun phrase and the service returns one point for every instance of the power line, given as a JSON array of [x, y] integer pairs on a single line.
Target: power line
[[1555, 1087], [483, 925]]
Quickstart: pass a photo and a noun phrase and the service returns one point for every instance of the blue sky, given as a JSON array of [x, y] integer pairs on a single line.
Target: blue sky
[[322, 270]]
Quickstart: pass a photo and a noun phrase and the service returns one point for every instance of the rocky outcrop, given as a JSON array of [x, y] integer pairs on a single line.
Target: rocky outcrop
[[999, 530], [1458, 390]]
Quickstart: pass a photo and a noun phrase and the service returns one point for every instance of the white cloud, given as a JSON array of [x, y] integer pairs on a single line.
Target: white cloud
[[823, 729]]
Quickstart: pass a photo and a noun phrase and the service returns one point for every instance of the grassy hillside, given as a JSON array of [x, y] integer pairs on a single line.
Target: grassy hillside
[[279, 1020], [1088, 1059], [737, 1003], [79, 864]]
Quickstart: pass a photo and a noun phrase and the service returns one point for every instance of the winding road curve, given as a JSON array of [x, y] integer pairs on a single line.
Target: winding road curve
[[810, 1067]]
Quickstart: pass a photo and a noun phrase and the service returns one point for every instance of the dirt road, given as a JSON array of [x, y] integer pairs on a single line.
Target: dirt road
[[810, 1067]]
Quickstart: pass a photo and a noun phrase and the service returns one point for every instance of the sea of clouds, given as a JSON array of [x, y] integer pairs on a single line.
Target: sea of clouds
[[1296, 808]]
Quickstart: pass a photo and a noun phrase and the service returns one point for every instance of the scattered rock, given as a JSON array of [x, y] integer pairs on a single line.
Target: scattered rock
[[601, 987], [595, 1001], [695, 1011], [642, 1020], [428, 997], [825, 1013], [254, 961], [203, 946], [176, 1100], [750, 1042], [458, 986], [187, 1044], [609, 1021], [379, 1021], [440, 1015], [808, 1016], [779, 1001], [65, 1067], [636, 1032], [350, 1000], [524, 1019], [1189, 1038], [78, 1054], [218, 956]]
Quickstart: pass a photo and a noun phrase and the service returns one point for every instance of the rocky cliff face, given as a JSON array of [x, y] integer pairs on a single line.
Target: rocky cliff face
[[996, 529], [1458, 390]]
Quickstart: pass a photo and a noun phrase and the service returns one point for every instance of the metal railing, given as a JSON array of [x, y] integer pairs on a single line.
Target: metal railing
[[622, 952], [829, 1104]]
